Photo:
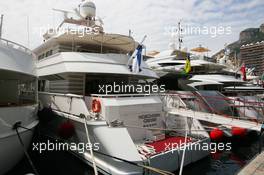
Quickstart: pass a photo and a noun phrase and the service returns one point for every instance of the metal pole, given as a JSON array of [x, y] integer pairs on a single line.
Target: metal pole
[[1, 25], [179, 35]]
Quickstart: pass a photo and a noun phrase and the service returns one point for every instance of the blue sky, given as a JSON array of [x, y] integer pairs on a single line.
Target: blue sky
[[142, 17]]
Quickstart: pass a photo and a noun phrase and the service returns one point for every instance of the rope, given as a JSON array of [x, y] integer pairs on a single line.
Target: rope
[[185, 141], [15, 127], [91, 150]]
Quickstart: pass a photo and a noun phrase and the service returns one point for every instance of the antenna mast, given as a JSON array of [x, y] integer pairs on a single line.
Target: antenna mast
[[179, 35], [1, 25]]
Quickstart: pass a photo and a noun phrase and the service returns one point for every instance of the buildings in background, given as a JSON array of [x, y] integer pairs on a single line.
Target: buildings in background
[[253, 56]]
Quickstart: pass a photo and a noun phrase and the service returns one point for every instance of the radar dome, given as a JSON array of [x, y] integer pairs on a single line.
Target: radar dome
[[87, 9]]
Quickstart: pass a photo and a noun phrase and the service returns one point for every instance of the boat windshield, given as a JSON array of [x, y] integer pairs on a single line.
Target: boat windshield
[[193, 102], [250, 112], [217, 102]]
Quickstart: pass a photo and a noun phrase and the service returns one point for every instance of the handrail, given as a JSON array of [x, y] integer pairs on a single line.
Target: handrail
[[97, 95], [62, 95], [121, 95], [16, 46]]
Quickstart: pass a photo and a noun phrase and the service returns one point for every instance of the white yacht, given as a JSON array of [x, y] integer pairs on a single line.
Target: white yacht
[[128, 127], [173, 61], [18, 102], [206, 78], [170, 64], [247, 110], [204, 75]]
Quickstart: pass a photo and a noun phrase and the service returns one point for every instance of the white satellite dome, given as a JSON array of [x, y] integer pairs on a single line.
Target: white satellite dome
[[87, 9]]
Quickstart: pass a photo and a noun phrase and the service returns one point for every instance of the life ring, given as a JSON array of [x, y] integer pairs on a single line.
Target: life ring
[[96, 106]]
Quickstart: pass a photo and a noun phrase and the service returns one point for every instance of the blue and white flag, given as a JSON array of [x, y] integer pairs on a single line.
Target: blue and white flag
[[136, 59]]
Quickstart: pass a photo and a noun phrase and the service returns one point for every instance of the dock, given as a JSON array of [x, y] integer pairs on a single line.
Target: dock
[[255, 167]]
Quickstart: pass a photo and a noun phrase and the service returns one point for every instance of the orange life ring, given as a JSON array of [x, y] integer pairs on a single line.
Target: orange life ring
[[96, 106]]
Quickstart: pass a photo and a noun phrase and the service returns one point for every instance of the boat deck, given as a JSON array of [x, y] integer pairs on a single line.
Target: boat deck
[[255, 167], [169, 143]]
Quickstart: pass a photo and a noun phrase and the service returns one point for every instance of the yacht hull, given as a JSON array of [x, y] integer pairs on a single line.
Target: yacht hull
[[112, 141], [11, 151]]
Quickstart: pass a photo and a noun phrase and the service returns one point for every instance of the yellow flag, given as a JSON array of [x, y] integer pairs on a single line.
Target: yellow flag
[[187, 67]]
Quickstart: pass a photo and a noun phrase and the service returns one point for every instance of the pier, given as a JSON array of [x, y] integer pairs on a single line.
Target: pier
[[255, 167]]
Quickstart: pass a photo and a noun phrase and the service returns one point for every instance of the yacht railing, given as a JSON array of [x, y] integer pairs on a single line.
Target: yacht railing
[[121, 95], [15, 46], [60, 94], [97, 95]]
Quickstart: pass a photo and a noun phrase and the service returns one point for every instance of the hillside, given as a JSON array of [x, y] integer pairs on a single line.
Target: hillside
[[250, 35]]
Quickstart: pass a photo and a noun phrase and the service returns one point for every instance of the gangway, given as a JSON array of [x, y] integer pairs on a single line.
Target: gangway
[[217, 119]]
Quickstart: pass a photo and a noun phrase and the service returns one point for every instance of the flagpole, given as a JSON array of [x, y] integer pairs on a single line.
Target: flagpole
[[142, 41], [134, 53]]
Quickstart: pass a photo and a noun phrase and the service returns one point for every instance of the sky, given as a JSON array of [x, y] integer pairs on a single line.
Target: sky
[[156, 19]]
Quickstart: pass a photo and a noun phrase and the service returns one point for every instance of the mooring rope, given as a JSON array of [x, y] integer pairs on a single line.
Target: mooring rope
[[91, 150], [184, 150], [15, 127]]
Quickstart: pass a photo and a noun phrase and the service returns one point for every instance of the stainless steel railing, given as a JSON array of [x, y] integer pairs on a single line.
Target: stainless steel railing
[[15, 46]]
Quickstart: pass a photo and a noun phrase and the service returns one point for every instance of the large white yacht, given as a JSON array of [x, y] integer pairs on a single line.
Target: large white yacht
[[18, 102], [204, 75], [205, 81], [128, 127]]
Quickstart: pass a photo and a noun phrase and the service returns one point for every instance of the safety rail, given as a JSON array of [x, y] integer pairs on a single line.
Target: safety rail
[[97, 95], [67, 103], [218, 119], [60, 94], [175, 101], [16, 46], [121, 95]]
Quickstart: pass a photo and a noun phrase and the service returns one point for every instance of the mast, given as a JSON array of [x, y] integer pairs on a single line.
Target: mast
[[179, 35], [1, 25]]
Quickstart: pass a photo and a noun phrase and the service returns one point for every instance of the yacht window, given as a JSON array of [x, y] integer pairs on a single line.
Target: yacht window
[[27, 91], [41, 56], [48, 53], [88, 48], [92, 85], [20, 91]]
